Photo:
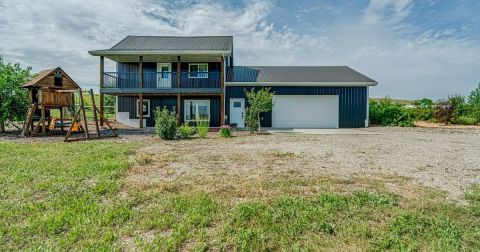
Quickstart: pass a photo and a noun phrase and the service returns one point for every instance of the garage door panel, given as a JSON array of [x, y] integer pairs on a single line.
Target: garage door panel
[[305, 111]]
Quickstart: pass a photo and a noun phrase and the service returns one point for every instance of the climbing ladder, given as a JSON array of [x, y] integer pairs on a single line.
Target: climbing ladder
[[27, 126]]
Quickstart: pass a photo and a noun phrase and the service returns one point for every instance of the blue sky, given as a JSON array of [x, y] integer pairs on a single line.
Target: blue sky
[[414, 49]]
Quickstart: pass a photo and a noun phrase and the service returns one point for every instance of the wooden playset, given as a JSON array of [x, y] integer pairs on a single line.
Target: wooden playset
[[53, 89]]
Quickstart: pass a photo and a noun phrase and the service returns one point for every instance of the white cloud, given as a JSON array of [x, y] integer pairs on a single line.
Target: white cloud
[[377, 41], [392, 11]]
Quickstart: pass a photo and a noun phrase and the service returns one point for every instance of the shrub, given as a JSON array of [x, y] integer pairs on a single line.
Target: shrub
[[386, 113], [186, 130], [475, 113], [421, 113], [466, 120], [447, 111], [166, 123], [225, 131], [202, 127]]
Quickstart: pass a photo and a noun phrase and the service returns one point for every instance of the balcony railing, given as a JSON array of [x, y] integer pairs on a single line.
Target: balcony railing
[[162, 80]]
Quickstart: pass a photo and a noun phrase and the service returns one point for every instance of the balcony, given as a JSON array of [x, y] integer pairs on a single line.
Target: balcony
[[161, 82]]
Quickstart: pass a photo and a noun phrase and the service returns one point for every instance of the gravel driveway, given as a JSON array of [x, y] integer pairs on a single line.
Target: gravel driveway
[[440, 158], [446, 159]]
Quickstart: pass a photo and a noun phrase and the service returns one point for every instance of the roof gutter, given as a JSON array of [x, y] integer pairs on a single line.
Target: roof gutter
[[155, 52], [318, 84]]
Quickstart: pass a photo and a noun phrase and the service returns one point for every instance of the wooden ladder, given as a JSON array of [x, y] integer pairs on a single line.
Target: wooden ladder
[[29, 119]]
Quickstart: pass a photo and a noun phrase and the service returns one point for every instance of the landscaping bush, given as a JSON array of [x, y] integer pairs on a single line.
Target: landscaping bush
[[466, 120], [186, 130], [166, 123], [202, 127], [386, 113], [225, 131]]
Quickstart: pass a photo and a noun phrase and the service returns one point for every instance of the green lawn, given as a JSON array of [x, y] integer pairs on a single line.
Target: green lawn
[[59, 196]]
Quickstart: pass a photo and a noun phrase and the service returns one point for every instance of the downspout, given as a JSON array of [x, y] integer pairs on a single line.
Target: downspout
[[367, 119], [223, 90]]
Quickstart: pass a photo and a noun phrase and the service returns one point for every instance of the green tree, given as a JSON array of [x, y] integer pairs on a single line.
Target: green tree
[[425, 102], [109, 100], [110, 103], [258, 102], [474, 97], [474, 103], [13, 98]]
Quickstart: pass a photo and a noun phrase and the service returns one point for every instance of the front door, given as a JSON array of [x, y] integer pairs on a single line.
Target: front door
[[164, 75], [237, 109]]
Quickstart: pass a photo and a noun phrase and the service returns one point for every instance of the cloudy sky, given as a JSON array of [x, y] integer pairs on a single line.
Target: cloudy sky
[[414, 49]]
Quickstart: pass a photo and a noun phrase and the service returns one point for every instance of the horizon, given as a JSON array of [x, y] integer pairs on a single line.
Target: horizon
[[413, 49]]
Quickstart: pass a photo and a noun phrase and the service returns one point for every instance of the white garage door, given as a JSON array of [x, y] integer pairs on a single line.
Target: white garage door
[[305, 111]]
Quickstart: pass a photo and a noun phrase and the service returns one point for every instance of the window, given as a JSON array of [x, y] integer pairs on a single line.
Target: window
[[198, 70], [57, 79], [237, 104], [145, 108], [196, 110], [165, 72]]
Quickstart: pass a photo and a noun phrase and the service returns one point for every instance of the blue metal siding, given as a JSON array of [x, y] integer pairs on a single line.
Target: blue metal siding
[[129, 104], [159, 102], [353, 101]]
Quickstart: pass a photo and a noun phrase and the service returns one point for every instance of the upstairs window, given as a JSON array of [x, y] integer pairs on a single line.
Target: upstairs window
[[198, 70]]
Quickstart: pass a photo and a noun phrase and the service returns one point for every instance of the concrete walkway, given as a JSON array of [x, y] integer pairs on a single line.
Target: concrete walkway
[[321, 131]]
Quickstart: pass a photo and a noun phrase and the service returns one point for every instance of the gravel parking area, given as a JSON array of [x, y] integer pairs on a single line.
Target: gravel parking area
[[446, 159]]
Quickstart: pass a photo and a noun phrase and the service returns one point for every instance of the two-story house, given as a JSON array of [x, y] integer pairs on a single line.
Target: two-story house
[[197, 77]]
